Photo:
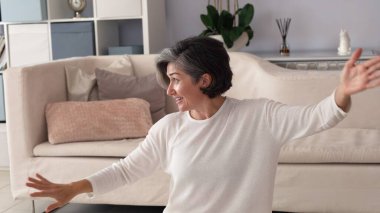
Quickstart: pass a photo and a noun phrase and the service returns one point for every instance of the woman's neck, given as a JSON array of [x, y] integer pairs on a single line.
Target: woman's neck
[[208, 108]]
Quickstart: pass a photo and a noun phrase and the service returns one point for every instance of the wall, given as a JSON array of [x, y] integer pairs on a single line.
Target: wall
[[315, 23]]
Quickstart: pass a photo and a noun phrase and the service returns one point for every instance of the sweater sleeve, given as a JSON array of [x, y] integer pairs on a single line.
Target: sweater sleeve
[[291, 122], [141, 162]]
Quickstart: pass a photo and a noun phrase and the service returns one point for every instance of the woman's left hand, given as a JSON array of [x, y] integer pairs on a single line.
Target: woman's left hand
[[356, 78], [359, 77]]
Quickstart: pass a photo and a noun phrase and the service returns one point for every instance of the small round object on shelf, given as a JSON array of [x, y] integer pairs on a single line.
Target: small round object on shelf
[[78, 6]]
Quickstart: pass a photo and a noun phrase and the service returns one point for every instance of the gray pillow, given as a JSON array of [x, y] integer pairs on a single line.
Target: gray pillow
[[81, 83], [117, 86]]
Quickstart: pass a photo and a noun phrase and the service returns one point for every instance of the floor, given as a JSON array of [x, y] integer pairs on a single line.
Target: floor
[[8, 205]]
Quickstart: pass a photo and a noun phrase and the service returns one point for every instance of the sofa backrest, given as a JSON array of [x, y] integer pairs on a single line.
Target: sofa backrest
[[255, 77]]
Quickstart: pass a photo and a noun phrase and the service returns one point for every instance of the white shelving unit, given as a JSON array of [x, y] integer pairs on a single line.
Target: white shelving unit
[[116, 23]]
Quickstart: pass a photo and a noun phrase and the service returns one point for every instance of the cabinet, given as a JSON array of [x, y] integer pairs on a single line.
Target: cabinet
[[48, 31]]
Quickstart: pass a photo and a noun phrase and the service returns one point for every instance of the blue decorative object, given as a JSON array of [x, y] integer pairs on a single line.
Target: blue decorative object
[[23, 10]]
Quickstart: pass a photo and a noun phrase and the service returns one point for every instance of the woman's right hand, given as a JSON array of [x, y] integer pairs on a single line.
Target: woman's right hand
[[62, 193]]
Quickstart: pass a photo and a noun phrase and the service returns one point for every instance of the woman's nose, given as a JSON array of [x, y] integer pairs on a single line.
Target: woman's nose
[[170, 91]]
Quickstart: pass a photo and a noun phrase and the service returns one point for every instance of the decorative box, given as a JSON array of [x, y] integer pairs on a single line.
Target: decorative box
[[133, 49], [72, 39]]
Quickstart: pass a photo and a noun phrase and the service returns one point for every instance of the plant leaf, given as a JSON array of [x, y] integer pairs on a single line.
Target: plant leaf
[[249, 31], [226, 21], [227, 40], [206, 21], [213, 15], [246, 15], [235, 33]]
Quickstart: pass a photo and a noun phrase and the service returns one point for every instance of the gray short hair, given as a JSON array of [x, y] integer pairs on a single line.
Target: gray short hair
[[197, 56]]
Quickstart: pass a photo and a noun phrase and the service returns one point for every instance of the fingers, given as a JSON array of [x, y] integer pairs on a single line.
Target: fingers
[[354, 57], [371, 62], [45, 193], [374, 75], [374, 79], [42, 178], [53, 206], [37, 186], [373, 71], [356, 54]]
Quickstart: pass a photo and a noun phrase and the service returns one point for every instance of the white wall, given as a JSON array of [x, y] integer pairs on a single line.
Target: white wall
[[315, 23]]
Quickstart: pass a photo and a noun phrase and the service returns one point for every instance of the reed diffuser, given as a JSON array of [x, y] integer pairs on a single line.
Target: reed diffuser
[[283, 26]]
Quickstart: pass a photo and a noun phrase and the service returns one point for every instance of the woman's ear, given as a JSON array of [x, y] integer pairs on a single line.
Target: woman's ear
[[205, 80]]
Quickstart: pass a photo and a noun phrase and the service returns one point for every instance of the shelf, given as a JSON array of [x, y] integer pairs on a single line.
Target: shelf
[[311, 60], [326, 55], [71, 20], [119, 18]]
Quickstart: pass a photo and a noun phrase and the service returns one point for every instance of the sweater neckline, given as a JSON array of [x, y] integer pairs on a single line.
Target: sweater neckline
[[214, 116]]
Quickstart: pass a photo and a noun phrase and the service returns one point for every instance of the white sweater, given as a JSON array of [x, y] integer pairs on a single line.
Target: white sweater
[[226, 163]]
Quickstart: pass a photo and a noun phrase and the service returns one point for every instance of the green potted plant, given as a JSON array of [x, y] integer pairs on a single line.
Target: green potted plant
[[230, 26]]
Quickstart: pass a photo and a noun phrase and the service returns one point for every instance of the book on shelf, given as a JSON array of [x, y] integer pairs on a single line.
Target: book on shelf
[[3, 55], [2, 44]]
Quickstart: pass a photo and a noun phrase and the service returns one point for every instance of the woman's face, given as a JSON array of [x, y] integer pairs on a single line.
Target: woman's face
[[186, 93]]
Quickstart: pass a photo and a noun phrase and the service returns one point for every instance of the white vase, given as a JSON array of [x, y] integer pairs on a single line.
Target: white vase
[[238, 44]]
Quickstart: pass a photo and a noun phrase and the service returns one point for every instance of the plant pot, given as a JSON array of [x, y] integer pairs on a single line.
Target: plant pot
[[238, 44]]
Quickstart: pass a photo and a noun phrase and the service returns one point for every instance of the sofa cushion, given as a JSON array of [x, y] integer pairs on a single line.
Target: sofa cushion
[[324, 147], [97, 120], [337, 145], [80, 82], [116, 86], [114, 148]]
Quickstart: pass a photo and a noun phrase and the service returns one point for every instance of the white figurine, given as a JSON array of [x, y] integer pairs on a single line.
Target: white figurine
[[344, 43]]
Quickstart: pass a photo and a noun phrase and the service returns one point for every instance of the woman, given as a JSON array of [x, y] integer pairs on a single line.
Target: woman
[[221, 153]]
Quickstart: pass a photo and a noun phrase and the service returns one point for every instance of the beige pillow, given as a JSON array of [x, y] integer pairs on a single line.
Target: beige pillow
[[81, 83], [97, 120]]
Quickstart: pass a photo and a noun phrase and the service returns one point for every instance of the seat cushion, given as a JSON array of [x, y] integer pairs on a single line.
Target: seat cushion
[[115, 148], [337, 145], [332, 146]]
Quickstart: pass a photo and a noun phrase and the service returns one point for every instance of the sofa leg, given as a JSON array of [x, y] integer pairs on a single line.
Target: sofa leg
[[33, 207]]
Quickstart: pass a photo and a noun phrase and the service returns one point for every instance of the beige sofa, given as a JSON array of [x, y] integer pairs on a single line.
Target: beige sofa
[[334, 171]]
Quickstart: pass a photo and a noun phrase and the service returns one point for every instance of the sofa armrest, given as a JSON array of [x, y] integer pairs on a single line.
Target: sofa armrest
[[27, 91]]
